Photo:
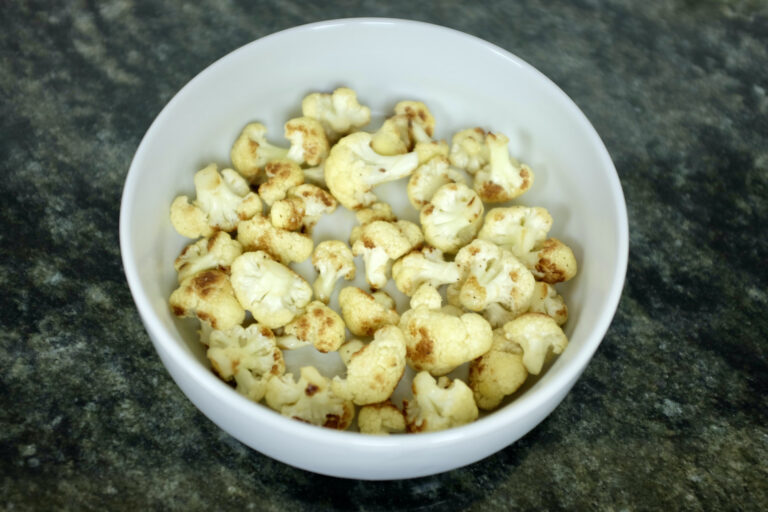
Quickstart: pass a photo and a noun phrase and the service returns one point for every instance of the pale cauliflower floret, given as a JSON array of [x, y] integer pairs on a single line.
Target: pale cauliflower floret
[[517, 229], [309, 143], [503, 178], [282, 175], [439, 341], [429, 150], [339, 113], [429, 177], [538, 335], [217, 252], [373, 369], [333, 260], [353, 168], [365, 313], [546, 300], [209, 296], [218, 203], [497, 373], [251, 151], [552, 261], [258, 234], [412, 123], [452, 217], [424, 266], [247, 355], [493, 274], [302, 208], [309, 399], [380, 243], [273, 293], [382, 419], [439, 405], [497, 315], [319, 325], [469, 150], [374, 212]]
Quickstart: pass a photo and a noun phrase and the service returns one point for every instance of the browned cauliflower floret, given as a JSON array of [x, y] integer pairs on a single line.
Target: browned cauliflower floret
[[308, 141], [452, 217], [258, 234], [546, 300], [319, 325], [517, 229], [431, 149], [469, 150], [282, 175], [218, 251], [301, 208], [438, 405], [424, 266], [380, 243], [503, 178], [538, 335], [428, 177], [209, 296], [365, 313], [339, 113], [552, 261], [382, 418], [333, 260], [497, 373], [251, 151], [412, 123]]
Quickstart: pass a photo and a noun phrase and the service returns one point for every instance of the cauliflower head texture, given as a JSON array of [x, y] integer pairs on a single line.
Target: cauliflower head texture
[[365, 313], [452, 217], [439, 404]]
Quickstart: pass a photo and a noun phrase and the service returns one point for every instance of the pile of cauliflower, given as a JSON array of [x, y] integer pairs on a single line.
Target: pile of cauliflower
[[484, 312]]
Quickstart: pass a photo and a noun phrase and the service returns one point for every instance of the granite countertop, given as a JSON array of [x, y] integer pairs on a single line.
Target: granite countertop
[[672, 412]]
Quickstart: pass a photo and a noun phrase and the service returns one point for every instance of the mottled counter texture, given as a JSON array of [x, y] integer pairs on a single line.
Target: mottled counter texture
[[670, 414]]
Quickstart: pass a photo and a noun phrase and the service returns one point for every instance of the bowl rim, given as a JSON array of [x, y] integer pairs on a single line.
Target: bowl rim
[[522, 406]]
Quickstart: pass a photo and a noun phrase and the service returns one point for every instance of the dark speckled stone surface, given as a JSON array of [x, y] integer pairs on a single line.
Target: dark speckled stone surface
[[671, 413]]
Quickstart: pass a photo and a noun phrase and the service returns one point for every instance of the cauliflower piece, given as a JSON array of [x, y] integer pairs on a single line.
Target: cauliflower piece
[[411, 123], [430, 149], [218, 251], [333, 260], [546, 300], [309, 399], [452, 217], [258, 234], [503, 178], [308, 141], [497, 315], [429, 177], [552, 261], [421, 123], [302, 208], [376, 211], [352, 169], [319, 325], [380, 242], [424, 266], [273, 293], [339, 113], [373, 369], [439, 341], [315, 175], [251, 151], [282, 175], [365, 313], [439, 405], [469, 150], [218, 205], [497, 373], [209, 296], [382, 419], [538, 335], [493, 274], [247, 355], [517, 229]]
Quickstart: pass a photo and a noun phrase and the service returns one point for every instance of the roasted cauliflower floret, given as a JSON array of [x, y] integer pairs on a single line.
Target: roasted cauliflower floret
[[365, 313], [258, 234], [251, 151], [552, 261], [538, 335], [469, 150], [497, 373], [431, 149], [412, 123], [374, 212], [429, 177], [517, 229], [373, 369], [503, 178], [497, 315], [452, 217], [319, 325], [302, 208], [282, 175], [309, 399], [223, 199], [339, 113], [247, 355], [438, 405], [493, 274], [424, 266], [546, 300], [216, 252], [333, 260], [353, 168], [309, 143], [273, 293], [209, 296], [382, 419], [380, 243]]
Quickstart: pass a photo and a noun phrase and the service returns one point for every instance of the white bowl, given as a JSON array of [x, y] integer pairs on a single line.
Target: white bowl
[[466, 82]]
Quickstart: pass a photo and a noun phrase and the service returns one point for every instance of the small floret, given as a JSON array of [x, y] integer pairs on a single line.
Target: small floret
[[424, 266], [374, 212], [251, 151], [546, 300], [373, 369], [382, 242], [216, 252], [333, 260], [309, 143], [429, 150], [412, 123], [282, 175], [209, 296], [339, 113], [503, 178], [552, 261], [319, 325], [258, 234], [429, 177], [309, 399], [439, 405], [365, 313], [517, 229], [452, 217], [273, 293], [497, 373], [382, 419], [469, 150], [302, 208], [538, 335]]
